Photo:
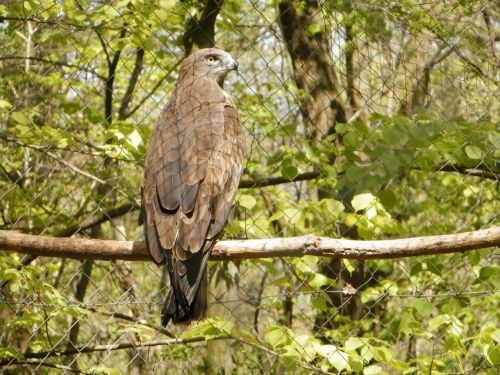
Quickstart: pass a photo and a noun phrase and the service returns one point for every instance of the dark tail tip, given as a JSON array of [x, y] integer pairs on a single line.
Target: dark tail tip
[[169, 310], [173, 311]]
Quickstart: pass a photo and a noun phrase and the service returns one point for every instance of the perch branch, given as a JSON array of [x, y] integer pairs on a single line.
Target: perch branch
[[82, 248]]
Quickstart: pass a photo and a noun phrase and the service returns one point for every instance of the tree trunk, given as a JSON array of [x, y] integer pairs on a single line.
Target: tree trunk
[[307, 39], [200, 32]]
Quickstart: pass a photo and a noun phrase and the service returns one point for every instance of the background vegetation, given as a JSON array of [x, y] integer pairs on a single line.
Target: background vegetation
[[381, 118]]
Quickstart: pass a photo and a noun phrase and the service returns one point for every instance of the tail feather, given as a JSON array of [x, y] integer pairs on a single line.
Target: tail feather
[[187, 300], [175, 312]]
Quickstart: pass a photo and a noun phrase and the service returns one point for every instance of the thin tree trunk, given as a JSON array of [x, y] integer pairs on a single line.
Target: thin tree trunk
[[313, 67]]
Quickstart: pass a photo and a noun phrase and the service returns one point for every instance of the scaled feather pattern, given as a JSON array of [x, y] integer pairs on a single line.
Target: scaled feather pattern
[[191, 174]]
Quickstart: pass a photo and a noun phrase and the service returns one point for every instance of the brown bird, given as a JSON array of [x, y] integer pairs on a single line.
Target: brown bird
[[191, 174]]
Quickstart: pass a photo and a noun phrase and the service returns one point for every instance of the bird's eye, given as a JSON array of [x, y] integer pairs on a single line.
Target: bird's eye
[[211, 59]]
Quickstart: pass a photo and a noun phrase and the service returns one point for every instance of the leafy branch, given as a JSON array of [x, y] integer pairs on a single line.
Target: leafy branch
[[55, 63], [106, 348]]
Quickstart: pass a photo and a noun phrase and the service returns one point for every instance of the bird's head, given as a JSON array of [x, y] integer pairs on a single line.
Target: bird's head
[[210, 62]]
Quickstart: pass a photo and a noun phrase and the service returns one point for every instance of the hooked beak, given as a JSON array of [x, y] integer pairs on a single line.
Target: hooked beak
[[233, 64]]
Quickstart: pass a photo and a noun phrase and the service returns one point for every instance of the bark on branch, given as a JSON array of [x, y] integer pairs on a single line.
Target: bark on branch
[[79, 248]]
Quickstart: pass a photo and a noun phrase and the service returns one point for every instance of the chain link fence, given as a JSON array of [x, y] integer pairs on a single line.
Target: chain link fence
[[362, 120]]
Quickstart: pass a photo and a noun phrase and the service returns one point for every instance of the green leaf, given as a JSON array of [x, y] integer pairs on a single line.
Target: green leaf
[[333, 206], [8, 352], [367, 353], [490, 274], [494, 137], [319, 302], [315, 28], [362, 201], [496, 336], [276, 216], [354, 343], [20, 118], [106, 371], [134, 138], [318, 280], [416, 269], [326, 350], [247, 201], [210, 328], [5, 104], [492, 354], [372, 370], [289, 171], [388, 198], [422, 306], [342, 128], [382, 354], [474, 152], [349, 265], [439, 321], [434, 265], [356, 363], [452, 306], [352, 140], [407, 323], [339, 360], [278, 336]]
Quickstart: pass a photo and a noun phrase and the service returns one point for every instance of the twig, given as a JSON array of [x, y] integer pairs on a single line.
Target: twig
[[98, 219], [153, 90], [58, 63], [270, 181], [108, 348], [55, 22], [131, 319], [51, 365], [44, 150]]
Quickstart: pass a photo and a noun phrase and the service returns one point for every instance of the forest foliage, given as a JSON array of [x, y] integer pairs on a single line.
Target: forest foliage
[[392, 105]]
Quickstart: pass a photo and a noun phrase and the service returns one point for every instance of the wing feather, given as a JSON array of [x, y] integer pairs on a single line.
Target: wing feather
[[229, 162], [192, 170], [187, 137]]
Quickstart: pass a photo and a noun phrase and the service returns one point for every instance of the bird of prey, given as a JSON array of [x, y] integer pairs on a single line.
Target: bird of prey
[[191, 174]]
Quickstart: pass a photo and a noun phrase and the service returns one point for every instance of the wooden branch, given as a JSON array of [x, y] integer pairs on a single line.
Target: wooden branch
[[108, 348], [271, 181], [481, 170], [57, 63], [139, 58], [152, 91], [131, 319], [110, 80], [98, 219], [79, 248]]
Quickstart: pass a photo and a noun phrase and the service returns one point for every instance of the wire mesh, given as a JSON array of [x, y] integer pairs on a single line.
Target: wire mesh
[[364, 120]]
